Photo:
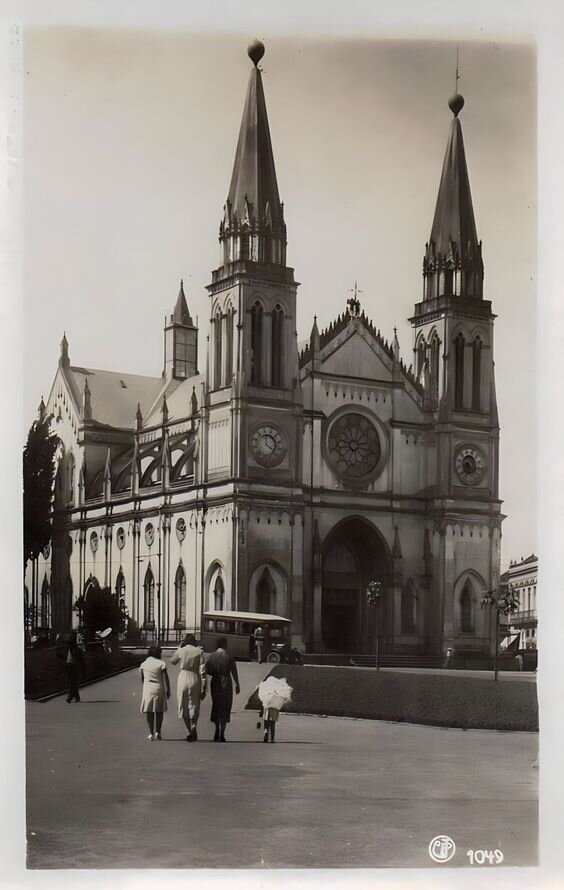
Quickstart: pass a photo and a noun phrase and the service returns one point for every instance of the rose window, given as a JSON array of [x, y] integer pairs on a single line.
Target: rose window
[[353, 446]]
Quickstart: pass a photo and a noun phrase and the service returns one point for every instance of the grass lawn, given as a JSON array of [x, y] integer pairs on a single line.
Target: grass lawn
[[432, 699]]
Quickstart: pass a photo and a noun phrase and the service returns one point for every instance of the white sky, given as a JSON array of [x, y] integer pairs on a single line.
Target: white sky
[[128, 144]]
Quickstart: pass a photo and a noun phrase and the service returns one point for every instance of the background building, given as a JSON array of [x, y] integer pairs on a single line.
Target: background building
[[276, 477], [522, 578]]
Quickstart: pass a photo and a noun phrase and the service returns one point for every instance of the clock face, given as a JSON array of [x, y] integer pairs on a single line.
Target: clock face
[[268, 446], [470, 464]]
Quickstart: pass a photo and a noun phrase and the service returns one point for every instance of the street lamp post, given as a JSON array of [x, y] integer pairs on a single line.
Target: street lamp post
[[374, 593], [503, 604]]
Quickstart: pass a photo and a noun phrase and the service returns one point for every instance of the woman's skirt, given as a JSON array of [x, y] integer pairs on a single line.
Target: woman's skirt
[[188, 691], [154, 698], [222, 699]]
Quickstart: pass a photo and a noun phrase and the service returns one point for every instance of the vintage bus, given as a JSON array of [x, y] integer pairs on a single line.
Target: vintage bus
[[238, 629]]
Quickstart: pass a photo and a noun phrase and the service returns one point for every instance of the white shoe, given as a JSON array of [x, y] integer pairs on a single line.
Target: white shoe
[[158, 737], [150, 737]]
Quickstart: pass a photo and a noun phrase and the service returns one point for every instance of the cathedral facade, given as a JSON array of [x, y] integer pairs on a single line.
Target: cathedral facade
[[260, 475]]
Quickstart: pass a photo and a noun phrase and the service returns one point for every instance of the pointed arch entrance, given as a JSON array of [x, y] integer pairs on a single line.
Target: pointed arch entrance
[[353, 554]]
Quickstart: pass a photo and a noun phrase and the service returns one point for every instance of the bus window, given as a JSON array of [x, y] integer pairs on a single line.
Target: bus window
[[220, 626], [209, 624], [246, 627], [275, 631]]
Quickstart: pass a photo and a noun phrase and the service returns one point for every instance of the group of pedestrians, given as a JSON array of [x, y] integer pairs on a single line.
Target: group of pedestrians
[[195, 669]]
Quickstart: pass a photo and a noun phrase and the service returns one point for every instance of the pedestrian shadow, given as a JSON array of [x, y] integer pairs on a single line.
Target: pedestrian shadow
[[240, 742]]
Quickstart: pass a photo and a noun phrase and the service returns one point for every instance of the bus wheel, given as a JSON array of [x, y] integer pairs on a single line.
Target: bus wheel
[[273, 658]]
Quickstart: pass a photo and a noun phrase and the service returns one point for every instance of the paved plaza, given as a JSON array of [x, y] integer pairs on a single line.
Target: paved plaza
[[330, 793]]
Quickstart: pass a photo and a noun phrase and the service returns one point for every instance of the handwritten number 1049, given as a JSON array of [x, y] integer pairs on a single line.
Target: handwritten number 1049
[[485, 857]]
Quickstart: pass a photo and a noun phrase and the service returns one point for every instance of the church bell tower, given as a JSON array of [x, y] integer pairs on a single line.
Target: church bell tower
[[454, 335], [253, 358]]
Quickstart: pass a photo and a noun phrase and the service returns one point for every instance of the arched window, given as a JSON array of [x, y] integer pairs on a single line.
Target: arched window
[[70, 478], [149, 604], [229, 324], [45, 607], [459, 346], [267, 250], [476, 373], [266, 592], [244, 243], [120, 585], [466, 610], [435, 367], [219, 594], [408, 605], [447, 282], [421, 349], [277, 345], [180, 598], [217, 351], [256, 343]]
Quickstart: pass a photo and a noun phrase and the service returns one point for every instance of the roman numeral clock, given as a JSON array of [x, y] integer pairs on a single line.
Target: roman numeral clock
[[268, 445]]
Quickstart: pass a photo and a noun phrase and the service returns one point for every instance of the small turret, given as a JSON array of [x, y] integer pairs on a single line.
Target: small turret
[[181, 341], [86, 402], [64, 359]]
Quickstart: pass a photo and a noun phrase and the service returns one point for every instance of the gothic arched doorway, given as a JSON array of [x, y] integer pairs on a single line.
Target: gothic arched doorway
[[353, 555]]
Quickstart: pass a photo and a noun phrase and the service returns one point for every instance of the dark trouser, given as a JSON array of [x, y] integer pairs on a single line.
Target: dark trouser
[[73, 674], [154, 721], [269, 725]]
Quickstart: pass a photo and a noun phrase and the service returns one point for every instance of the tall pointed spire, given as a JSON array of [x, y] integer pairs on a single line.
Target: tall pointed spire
[[253, 183], [453, 258], [252, 229]]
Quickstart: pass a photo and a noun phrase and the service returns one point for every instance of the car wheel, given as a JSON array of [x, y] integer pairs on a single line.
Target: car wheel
[[273, 658]]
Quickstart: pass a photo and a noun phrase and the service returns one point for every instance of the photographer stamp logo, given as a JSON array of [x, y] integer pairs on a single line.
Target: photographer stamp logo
[[442, 848]]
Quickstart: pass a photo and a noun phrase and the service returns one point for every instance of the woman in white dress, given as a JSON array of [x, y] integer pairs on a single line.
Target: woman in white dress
[[156, 691], [191, 685]]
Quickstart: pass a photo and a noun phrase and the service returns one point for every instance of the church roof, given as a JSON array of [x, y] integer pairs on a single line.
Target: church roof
[[114, 396], [453, 223], [339, 325], [178, 394], [253, 181]]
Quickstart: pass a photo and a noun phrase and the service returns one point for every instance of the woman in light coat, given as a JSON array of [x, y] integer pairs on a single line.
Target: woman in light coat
[[191, 685], [156, 691]]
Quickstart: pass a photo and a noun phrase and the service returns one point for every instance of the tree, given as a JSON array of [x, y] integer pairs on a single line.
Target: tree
[[99, 609], [38, 486]]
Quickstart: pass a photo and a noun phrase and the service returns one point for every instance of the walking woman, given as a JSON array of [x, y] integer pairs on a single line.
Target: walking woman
[[191, 685], [221, 667], [74, 667], [156, 691]]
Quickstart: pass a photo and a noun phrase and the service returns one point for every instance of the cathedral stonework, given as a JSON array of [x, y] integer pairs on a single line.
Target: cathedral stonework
[[285, 480]]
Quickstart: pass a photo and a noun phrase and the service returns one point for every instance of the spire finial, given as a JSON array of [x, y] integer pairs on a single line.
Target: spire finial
[[456, 102], [255, 52]]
